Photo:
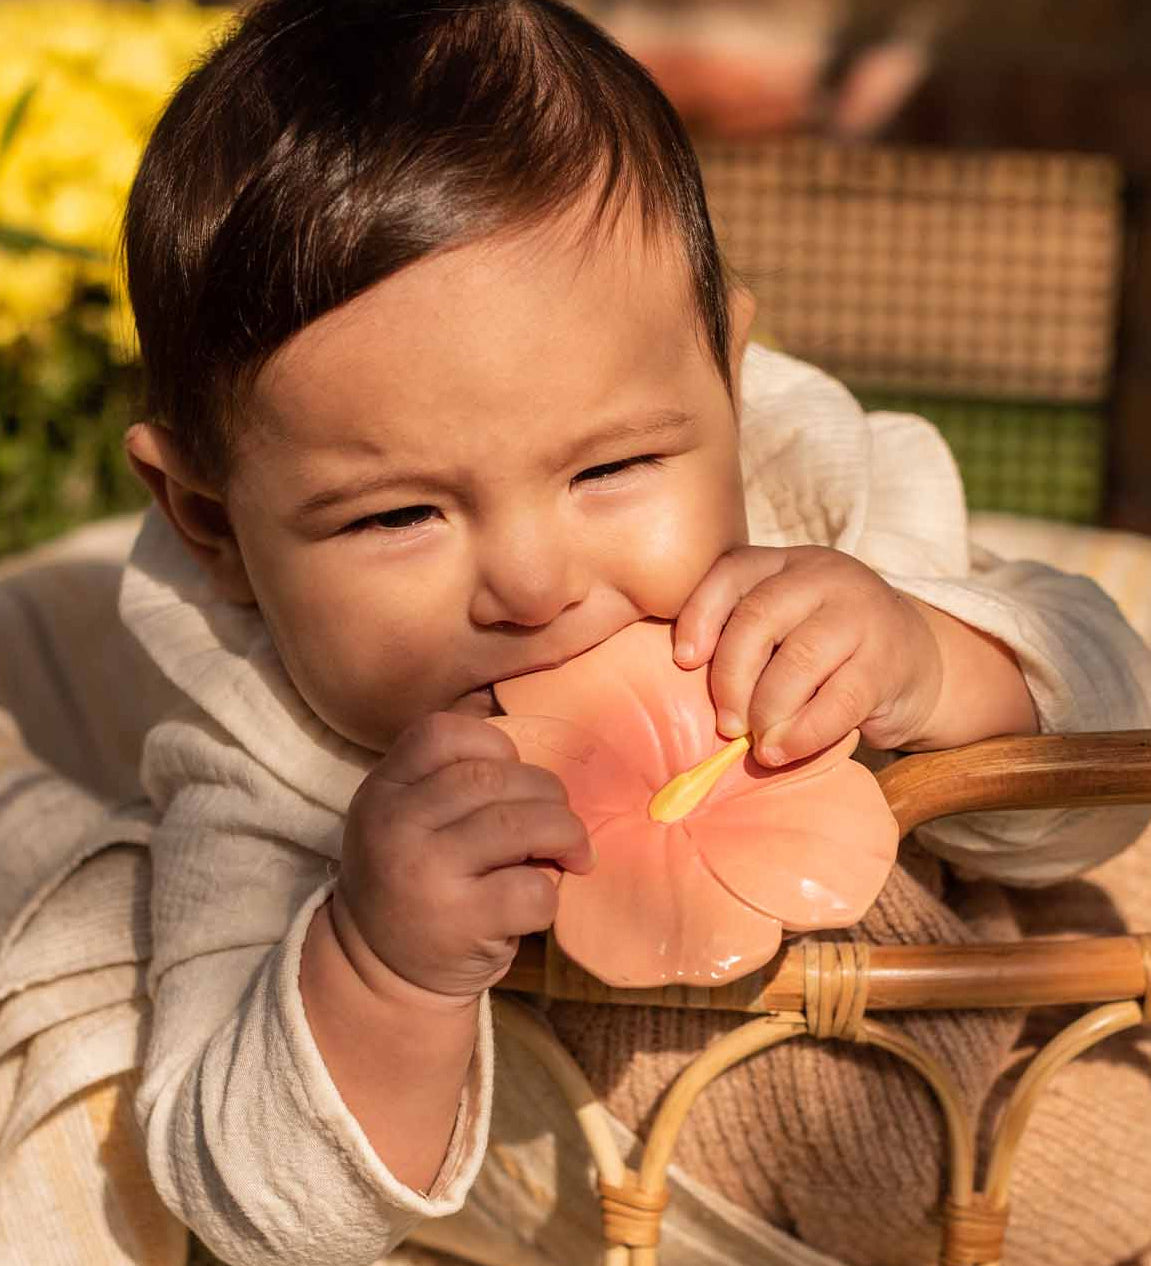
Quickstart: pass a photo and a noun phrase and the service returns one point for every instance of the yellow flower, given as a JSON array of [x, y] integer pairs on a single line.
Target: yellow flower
[[31, 286], [100, 70]]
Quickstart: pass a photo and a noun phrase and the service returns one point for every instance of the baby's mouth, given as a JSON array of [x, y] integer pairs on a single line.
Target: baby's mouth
[[480, 702], [483, 702]]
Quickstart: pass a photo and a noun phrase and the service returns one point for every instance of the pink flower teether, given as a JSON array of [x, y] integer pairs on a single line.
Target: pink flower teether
[[704, 898]]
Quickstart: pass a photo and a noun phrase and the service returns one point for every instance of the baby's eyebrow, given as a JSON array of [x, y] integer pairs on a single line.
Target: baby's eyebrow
[[329, 497], [659, 422]]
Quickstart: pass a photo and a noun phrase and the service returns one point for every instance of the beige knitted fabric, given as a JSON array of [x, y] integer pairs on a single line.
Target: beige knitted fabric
[[1082, 1179]]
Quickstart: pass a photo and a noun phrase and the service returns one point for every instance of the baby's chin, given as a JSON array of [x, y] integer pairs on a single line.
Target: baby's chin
[[477, 703]]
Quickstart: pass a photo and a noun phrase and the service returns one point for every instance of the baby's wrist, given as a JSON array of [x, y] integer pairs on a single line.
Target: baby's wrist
[[981, 691], [374, 1030], [380, 979]]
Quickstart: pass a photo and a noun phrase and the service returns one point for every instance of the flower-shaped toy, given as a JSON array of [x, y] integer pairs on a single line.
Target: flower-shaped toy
[[695, 882]]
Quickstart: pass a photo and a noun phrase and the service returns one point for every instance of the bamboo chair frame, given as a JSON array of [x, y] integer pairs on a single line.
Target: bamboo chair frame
[[827, 990]]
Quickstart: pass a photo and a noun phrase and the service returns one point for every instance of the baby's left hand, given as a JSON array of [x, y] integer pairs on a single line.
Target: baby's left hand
[[806, 644]]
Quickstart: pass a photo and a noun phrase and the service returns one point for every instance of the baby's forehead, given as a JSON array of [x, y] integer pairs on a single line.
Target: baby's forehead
[[615, 248], [551, 318], [490, 376]]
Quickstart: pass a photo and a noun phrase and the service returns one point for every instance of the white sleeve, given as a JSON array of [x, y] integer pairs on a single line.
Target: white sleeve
[[1086, 668], [248, 1140]]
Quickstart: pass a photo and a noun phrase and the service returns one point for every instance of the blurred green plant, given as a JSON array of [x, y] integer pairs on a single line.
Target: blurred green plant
[[81, 82], [63, 413]]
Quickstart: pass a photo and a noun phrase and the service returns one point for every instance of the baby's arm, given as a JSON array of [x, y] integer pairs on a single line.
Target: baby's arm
[[982, 690], [296, 1101], [250, 1140], [375, 1030], [439, 878], [1085, 668]]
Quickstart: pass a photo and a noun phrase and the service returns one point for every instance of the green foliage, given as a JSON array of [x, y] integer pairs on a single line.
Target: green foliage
[[15, 118], [64, 407]]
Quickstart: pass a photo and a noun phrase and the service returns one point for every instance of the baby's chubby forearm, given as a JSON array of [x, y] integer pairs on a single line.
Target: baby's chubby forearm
[[451, 851], [982, 691], [398, 1054]]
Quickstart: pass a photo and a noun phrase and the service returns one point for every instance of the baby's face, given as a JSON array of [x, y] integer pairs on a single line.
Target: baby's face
[[484, 465]]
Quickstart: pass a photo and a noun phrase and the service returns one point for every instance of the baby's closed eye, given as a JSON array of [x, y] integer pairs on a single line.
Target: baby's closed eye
[[405, 517], [607, 469], [394, 520]]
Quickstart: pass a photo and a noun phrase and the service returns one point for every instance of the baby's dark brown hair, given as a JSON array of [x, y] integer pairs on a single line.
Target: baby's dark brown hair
[[327, 144]]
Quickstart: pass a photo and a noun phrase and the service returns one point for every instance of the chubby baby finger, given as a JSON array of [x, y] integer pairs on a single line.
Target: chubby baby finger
[[760, 623], [702, 618], [805, 659], [516, 832], [839, 706], [516, 901]]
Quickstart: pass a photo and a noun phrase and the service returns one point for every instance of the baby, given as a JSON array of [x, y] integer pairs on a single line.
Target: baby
[[448, 383]]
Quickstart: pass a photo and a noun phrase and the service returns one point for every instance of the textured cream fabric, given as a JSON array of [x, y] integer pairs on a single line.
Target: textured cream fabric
[[248, 1139], [77, 1192]]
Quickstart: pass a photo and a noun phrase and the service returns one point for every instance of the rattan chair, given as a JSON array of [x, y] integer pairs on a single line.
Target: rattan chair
[[831, 990]]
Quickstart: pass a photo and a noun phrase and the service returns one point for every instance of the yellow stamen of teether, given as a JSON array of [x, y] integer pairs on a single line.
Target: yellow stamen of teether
[[677, 797]]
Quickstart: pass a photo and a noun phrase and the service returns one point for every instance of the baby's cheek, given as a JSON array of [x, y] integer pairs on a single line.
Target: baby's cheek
[[334, 664], [365, 708], [677, 555]]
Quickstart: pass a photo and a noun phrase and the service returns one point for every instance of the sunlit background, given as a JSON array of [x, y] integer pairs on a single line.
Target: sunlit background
[[944, 203]]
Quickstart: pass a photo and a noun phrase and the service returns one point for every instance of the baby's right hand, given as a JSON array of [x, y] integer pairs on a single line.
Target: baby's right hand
[[447, 852]]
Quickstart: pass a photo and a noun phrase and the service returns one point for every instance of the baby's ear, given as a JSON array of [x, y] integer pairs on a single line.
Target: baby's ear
[[193, 508], [741, 307]]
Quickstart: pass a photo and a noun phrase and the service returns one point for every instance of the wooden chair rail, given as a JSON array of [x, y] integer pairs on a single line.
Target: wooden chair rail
[[1020, 772], [899, 977]]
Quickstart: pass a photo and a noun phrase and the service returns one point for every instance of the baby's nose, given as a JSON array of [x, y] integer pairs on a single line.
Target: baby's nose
[[529, 582]]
